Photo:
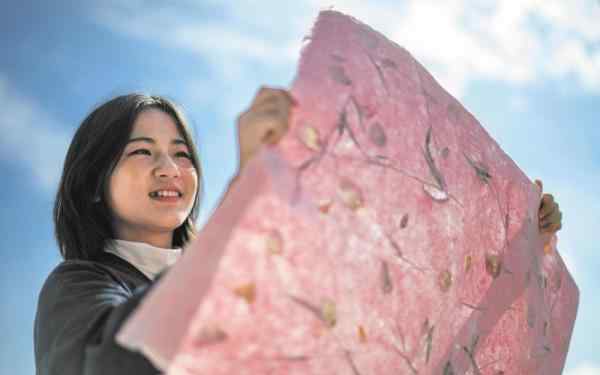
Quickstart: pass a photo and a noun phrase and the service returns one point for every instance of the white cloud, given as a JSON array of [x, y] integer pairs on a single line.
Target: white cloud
[[585, 369], [466, 40], [573, 57], [30, 138], [225, 45], [458, 40], [577, 16]]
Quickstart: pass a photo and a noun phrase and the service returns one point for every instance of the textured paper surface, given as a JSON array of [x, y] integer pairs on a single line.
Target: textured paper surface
[[386, 232]]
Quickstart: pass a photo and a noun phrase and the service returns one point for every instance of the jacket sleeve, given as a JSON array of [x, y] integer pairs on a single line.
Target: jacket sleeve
[[80, 309]]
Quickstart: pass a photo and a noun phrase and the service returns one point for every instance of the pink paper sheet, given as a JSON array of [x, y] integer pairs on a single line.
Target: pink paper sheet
[[386, 232]]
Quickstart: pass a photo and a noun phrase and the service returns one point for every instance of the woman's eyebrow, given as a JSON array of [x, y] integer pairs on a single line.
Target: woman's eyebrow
[[176, 141], [141, 139], [179, 141]]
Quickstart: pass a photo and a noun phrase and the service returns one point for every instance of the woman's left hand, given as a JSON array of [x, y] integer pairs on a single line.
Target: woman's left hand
[[265, 122], [549, 214]]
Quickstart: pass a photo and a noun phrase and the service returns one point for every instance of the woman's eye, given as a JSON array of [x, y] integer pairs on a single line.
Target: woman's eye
[[140, 151], [184, 155]]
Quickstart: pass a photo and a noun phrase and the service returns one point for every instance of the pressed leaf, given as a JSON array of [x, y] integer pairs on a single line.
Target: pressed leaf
[[377, 134], [338, 74]]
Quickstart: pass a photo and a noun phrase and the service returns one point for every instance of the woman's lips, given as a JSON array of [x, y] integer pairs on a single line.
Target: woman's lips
[[165, 195], [166, 199]]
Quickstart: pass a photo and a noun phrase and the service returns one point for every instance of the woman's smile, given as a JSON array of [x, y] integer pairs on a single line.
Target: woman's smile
[[166, 195]]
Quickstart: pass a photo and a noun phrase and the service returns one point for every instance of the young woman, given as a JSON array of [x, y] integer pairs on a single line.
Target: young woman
[[128, 197]]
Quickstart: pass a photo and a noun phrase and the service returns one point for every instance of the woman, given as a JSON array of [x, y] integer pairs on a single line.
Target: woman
[[126, 204]]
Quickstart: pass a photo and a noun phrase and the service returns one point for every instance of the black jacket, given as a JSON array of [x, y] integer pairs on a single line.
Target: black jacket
[[80, 309]]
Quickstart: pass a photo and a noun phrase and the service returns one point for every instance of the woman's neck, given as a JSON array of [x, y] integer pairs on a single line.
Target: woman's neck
[[162, 240]]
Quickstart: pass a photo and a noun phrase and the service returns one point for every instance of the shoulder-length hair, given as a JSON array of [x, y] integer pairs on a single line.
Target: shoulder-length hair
[[82, 218]]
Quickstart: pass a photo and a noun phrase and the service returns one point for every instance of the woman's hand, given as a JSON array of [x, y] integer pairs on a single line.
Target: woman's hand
[[550, 217], [265, 122]]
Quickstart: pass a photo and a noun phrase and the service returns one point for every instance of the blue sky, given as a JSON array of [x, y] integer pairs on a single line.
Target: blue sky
[[529, 70]]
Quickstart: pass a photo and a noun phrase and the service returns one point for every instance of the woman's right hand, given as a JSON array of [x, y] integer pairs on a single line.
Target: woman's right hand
[[265, 122]]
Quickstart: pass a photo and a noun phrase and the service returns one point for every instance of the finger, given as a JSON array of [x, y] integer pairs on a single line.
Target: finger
[[552, 218], [272, 113], [271, 94], [270, 107], [554, 210], [262, 93], [555, 227], [274, 131], [547, 205], [253, 116], [265, 126], [273, 105]]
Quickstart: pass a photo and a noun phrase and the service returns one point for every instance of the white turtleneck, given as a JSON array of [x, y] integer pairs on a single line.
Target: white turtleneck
[[150, 260]]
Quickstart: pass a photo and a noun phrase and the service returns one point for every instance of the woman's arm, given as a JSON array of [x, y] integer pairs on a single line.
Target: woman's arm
[[80, 309]]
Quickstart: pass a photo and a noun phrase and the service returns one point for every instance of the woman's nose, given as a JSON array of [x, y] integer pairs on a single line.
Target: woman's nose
[[166, 167]]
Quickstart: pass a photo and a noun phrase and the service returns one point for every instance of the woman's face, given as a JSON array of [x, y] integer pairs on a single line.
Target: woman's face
[[152, 189]]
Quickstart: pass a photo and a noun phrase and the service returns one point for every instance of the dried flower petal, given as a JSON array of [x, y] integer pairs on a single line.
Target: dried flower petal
[[310, 138], [328, 313], [493, 265], [435, 193], [324, 205], [246, 291], [468, 263], [362, 335], [445, 280], [274, 242], [350, 194]]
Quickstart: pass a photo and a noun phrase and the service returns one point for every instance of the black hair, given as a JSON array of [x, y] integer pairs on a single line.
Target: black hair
[[82, 217]]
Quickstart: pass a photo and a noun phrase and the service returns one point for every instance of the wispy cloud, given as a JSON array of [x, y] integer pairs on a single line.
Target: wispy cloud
[[459, 40], [30, 137], [224, 43], [514, 42]]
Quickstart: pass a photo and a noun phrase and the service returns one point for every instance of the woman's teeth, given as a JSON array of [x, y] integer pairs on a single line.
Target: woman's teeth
[[164, 193]]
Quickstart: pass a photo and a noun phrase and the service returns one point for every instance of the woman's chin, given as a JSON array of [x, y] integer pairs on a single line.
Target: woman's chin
[[169, 225]]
